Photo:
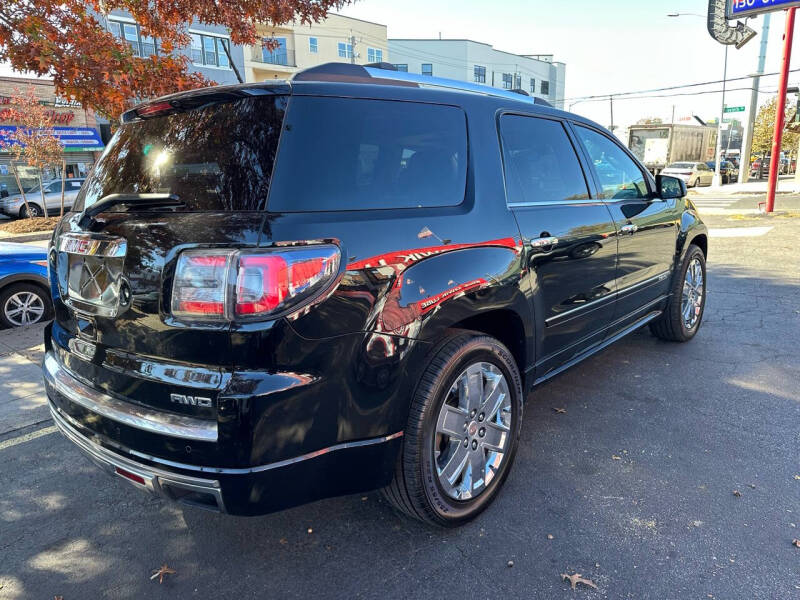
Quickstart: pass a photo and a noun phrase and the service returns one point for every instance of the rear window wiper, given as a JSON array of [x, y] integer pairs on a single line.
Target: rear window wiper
[[140, 200]]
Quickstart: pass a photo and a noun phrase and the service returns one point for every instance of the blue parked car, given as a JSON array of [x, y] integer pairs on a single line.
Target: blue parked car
[[24, 288]]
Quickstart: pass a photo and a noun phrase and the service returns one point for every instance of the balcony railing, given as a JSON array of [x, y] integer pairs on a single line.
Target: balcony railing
[[279, 56]]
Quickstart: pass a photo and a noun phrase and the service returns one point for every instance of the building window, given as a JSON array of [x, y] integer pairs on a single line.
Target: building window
[[480, 74], [533, 85], [427, 69], [345, 50], [374, 55], [141, 45], [313, 45], [276, 56], [546, 88], [508, 80], [402, 67], [208, 50], [517, 82]]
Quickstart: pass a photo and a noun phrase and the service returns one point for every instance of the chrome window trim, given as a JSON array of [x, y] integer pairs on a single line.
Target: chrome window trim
[[554, 203], [127, 413]]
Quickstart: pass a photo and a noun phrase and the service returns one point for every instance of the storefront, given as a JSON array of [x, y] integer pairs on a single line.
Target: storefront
[[75, 127]]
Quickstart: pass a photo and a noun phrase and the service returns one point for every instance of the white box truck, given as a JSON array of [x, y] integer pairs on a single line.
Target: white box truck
[[660, 145]]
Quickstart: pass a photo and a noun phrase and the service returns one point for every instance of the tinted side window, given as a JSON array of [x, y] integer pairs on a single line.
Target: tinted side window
[[618, 174], [540, 162], [352, 154], [53, 187]]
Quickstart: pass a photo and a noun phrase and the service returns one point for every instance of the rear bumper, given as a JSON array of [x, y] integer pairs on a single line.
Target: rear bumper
[[349, 467], [195, 491]]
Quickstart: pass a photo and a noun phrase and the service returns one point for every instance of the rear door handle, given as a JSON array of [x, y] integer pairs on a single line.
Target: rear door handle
[[544, 243], [629, 229]]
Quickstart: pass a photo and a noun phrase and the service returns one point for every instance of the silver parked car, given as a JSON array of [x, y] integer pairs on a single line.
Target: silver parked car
[[14, 207], [693, 173]]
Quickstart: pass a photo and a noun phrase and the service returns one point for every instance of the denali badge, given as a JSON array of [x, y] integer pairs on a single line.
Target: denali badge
[[191, 400]]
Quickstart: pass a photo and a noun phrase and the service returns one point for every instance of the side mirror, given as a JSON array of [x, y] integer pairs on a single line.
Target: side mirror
[[669, 188]]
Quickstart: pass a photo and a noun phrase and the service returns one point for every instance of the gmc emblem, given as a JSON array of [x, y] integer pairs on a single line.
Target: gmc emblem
[[200, 401]]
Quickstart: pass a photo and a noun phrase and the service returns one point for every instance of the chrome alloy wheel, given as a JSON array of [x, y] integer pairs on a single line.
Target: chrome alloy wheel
[[693, 294], [24, 308], [473, 431]]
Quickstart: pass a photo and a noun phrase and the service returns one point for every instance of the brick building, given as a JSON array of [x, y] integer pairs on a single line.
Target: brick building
[[76, 127]]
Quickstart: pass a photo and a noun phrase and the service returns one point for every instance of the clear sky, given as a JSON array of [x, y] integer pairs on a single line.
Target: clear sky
[[609, 46]]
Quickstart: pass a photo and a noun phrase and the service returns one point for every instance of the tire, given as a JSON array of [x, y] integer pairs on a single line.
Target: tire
[[673, 325], [36, 211], [13, 297], [416, 488]]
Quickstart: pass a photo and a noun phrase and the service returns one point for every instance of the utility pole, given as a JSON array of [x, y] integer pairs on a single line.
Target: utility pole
[[717, 181], [611, 99], [747, 143]]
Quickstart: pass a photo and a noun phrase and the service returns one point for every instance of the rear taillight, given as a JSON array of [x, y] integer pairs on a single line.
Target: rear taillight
[[211, 285]]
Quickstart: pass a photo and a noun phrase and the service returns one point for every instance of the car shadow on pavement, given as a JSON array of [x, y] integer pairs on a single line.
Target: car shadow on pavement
[[632, 486]]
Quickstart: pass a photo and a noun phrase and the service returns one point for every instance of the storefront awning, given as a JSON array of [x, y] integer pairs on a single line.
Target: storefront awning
[[74, 139]]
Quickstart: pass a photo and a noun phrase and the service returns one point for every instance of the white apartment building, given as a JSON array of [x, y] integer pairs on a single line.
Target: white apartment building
[[476, 62], [335, 39]]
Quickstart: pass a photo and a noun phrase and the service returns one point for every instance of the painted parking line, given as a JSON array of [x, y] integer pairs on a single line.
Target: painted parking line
[[27, 437], [736, 232]]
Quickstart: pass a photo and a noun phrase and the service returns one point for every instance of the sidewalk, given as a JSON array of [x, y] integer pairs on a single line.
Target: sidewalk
[[786, 185], [23, 401]]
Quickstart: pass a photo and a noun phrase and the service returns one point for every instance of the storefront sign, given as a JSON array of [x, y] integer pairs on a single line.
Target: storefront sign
[[74, 139], [59, 117], [738, 9]]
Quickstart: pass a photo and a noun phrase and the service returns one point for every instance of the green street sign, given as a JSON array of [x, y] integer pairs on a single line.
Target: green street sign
[[732, 109]]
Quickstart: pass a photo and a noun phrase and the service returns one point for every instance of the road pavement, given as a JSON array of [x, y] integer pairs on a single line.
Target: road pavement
[[673, 473]]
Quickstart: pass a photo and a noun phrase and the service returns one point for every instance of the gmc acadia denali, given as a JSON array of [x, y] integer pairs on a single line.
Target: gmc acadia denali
[[272, 293]]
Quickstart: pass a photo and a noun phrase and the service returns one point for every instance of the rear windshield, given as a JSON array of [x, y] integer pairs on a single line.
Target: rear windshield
[[217, 158], [352, 154], [681, 166]]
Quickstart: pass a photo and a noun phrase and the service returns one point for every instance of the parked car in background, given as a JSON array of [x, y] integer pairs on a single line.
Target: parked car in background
[[727, 170], [14, 206], [366, 309], [24, 289], [691, 173]]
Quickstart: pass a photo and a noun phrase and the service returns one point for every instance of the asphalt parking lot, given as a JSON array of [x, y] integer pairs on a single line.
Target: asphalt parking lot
[[633, 486]]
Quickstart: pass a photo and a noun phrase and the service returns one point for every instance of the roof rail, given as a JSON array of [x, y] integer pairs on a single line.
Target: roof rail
[[386, 74]]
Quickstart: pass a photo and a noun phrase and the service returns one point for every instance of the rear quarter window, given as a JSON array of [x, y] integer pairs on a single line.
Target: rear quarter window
[[341, 154]]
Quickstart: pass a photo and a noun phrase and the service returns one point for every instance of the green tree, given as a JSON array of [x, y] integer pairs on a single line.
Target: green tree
[[764, 129]]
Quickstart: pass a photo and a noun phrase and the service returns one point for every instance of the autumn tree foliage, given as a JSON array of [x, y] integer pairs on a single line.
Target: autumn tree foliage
[[66, 40], [33, 140], [764, 129]]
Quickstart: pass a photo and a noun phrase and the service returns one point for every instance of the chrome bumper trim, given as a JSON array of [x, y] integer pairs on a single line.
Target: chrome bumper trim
[[161, 483], [127, 413]]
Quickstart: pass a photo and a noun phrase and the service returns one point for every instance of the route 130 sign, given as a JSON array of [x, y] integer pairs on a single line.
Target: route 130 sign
[[738, 9]]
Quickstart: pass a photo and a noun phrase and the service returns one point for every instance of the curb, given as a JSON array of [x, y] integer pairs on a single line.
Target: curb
[[28, 237]]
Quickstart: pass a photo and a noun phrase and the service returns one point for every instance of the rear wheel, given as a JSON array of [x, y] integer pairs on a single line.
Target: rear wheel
[[23, 304], [462, 433], [684, 313], [35, 211]]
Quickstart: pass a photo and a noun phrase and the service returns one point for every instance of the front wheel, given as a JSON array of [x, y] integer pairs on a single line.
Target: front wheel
[[24, 304], [684, 313], [462, 433]]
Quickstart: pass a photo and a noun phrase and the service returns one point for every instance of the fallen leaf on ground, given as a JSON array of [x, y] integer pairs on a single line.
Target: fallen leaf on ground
[[58, 597], [310, 530], [510, 563], [283, 541], [797, 476], [752, 486], [796, 543], [549, 536], [615, 457], [737, 493], [164, 570], [560, 411], [577, 578]]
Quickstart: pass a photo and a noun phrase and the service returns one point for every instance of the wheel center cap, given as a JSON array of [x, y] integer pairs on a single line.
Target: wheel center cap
[[473, 428]]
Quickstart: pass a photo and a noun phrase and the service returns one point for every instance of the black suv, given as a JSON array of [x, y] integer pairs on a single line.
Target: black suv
[[273, 293]]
